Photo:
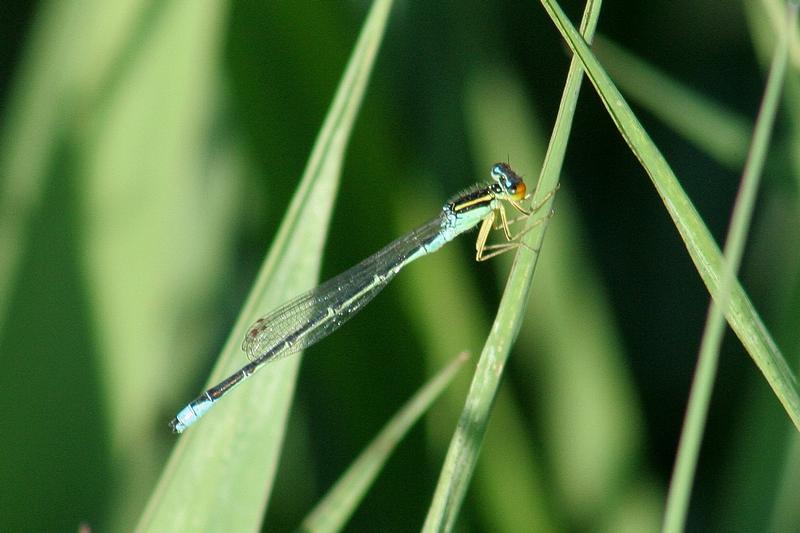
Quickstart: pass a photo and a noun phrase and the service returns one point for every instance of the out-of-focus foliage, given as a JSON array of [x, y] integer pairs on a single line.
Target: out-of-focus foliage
[[147, 155]]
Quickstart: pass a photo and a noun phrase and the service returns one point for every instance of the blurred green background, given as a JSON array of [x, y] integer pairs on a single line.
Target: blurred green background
[[149, 150]]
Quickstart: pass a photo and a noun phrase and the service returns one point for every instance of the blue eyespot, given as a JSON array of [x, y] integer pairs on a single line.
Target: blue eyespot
[[504, 176], [500, 170]]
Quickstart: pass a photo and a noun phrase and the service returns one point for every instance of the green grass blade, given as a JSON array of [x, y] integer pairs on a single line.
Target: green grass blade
[[509, 464], [465, 445], [708, 361], [719, 132], [333, 511], [220, 474], [704, 252], [591, 428]]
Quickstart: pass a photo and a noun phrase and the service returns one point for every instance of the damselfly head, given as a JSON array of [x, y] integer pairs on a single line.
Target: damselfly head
[[509, 181]]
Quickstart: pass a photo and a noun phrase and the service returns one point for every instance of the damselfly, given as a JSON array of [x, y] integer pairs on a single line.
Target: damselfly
[[316, 314]]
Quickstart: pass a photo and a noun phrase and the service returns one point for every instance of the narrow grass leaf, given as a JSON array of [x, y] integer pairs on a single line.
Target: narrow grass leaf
[[502, 120], [219, 477], [705, 374], [705, 253], [465, 445]]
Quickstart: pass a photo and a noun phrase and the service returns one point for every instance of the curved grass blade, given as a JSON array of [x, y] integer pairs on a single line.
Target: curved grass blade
[[466, 442], [220, 475], [704, 252], [333, 511]]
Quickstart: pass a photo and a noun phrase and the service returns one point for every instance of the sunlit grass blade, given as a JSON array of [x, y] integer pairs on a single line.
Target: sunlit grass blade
[[781, 468], [721, 133], [464, 447], [705, 373], [219, 477], [333, 511], [705, 253]]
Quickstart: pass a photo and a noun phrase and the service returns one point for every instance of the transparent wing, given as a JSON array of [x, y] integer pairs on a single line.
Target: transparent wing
[[317, 313]]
